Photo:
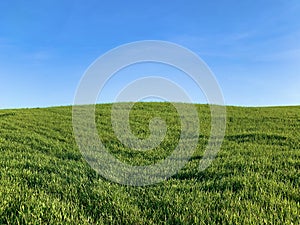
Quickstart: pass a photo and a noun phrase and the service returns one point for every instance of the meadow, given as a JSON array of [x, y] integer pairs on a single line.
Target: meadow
[[255, 178]]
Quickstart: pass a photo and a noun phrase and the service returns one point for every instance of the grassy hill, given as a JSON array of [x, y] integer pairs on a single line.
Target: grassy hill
[[255, 178]]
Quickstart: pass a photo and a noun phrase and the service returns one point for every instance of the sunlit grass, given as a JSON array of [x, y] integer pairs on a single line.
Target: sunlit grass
[[254, 179]]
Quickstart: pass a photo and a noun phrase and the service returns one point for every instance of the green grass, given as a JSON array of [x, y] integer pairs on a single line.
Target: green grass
[[255, 178]]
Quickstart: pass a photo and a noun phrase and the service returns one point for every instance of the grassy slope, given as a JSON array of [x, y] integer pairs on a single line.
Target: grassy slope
[[255, 178]]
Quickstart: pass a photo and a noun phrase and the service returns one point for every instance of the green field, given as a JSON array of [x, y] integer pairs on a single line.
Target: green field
[[255, 178]]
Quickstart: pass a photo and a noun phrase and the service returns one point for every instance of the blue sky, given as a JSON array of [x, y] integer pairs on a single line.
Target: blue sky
[[252, 47]]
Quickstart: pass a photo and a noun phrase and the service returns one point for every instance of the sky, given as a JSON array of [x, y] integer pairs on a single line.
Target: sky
[[252, 46]]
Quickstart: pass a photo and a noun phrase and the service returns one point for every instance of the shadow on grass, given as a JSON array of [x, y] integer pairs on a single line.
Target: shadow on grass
[[256, 137]]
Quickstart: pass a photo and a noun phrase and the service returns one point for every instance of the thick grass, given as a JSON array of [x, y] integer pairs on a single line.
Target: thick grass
[[255, 178]]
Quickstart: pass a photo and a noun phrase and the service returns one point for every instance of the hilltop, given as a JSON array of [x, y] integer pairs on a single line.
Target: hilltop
[[254, 179]]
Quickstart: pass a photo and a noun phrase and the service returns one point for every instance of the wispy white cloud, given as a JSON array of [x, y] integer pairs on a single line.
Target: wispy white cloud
[[240, 36], [227, 45], [290, 55], [250, 45], [30, 55], [6, 43], [39, 55]]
